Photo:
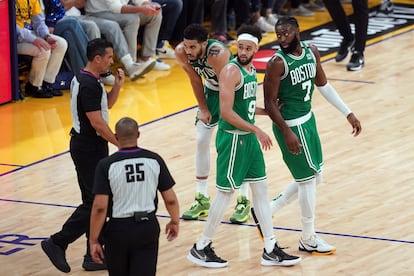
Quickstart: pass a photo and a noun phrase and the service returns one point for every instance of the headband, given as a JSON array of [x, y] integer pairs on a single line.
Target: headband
[[249, 37]]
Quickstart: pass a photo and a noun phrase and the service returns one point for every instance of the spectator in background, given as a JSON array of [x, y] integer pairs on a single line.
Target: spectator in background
[[356, 43], [112, 33], [68, 27], [192, 12], [130, 15], [254, 12], [171, 10], [47, 50], [217, 9], [297, 8]]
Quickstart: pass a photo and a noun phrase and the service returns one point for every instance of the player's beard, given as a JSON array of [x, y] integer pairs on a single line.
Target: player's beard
[[246, 62], [198, 56], [293, 45]]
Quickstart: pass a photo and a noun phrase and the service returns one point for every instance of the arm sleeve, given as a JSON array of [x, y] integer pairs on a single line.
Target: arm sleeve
[[24, 35], [39, 25], [330, 94]]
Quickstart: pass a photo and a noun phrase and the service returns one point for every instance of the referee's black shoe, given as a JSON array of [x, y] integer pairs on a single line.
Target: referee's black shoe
[[344, 49], [89, 265], [56, 255]]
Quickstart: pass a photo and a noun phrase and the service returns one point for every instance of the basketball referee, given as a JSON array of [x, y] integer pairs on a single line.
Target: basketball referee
[[90, 135], [126, 183]]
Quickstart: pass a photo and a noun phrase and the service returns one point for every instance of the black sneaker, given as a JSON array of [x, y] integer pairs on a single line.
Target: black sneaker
[[279, 257], [386, 7], [48, 87], [256, 221], [56, 255], [357, 61], [36, 92], [344, 49], [206, 257], [89, 265]]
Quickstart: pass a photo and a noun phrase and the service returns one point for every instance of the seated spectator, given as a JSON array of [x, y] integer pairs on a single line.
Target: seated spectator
[[297, 8], [112, 32], [47, 50], [71, 30], [171, 10], [130, 15], [250, 12]]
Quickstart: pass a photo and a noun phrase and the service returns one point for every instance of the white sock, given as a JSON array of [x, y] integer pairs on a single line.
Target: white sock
[[215, 215], [269, 244], [307, 201], [244, 190], [202, 186], [283, 199], [127, 61], [290, 194]]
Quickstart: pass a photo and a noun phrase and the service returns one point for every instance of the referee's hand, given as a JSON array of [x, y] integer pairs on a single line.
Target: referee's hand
[[171, 230], [97, 253]]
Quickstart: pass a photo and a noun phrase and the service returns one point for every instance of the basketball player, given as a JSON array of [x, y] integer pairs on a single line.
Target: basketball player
[[203, 58], [239, 156], [90, 135], [126, 185], [288, 87]]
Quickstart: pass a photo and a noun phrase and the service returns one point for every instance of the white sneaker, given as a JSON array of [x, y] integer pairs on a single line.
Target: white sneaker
[[271, 19], [165, 52], [316, 245], [160, 65], [139, 69], [263, 25], [109, 80], [302, 11]]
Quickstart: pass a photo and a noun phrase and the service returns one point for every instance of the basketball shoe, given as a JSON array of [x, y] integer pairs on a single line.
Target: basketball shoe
[[278, 257], [316, 245], [357, 61], [344, 49], [199, 208], [242, 210], [206, 257]]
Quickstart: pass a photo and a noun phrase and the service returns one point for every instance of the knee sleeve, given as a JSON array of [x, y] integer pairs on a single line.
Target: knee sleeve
[[203, 140]]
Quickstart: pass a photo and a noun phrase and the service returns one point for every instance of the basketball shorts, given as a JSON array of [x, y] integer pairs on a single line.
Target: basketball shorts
[[212, 101], [239, 159], [304, 165]]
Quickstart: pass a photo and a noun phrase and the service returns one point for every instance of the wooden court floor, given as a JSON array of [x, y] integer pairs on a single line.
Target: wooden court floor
[[364, 206]]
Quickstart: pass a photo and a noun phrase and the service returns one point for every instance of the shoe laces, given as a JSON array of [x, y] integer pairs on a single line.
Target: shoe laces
[[279, 252], [209, 251], [241, 205], [197, 202]]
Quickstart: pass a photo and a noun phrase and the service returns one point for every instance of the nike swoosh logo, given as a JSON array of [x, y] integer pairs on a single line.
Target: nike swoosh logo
[[290, 63], [201, 257], [311, 246]]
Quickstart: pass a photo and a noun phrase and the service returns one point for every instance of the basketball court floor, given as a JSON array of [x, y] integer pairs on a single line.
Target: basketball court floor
[[364, 206]]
